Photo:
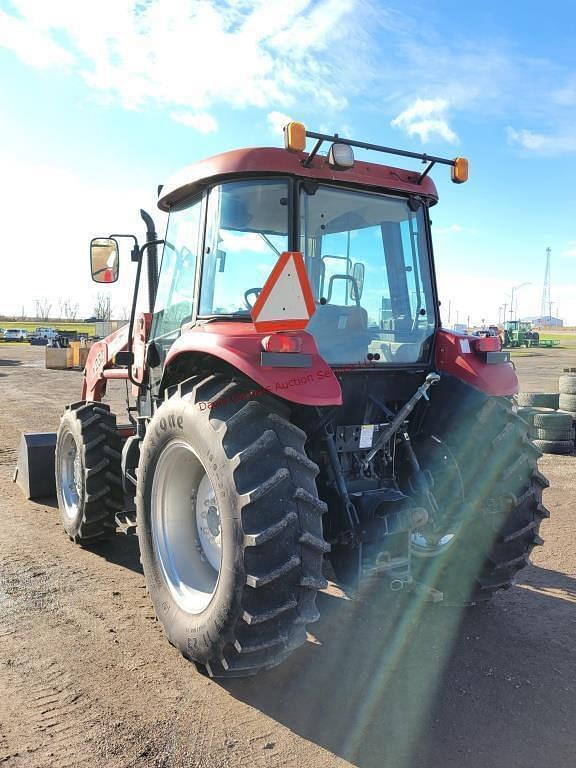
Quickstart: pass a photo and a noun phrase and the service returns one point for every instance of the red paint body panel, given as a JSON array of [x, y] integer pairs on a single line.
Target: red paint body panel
[[142, 325], [274, 160], [240, 345], [97, 369], [99, 357], [497, 380]]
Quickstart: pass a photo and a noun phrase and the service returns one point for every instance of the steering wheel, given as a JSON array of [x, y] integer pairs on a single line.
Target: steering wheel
[[255, 291]]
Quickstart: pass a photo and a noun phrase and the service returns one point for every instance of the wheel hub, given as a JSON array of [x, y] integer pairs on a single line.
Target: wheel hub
[[70, 475], [186, 529]]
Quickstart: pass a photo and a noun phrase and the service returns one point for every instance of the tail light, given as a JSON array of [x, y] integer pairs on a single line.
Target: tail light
[[282, 342], [487, 344]]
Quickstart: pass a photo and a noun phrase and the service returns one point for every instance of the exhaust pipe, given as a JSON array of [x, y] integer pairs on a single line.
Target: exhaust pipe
[[152, 258]]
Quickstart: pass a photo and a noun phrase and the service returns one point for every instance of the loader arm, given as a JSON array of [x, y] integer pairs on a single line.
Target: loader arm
[[99, 364]]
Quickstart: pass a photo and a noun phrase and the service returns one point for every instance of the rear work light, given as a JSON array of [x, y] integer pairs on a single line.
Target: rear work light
[[282, 342], [487, 344]]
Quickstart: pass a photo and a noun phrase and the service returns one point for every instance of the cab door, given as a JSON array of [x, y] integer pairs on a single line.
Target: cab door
[[175, 304]]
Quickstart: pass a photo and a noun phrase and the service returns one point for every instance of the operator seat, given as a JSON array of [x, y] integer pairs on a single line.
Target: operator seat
[[341, 332]]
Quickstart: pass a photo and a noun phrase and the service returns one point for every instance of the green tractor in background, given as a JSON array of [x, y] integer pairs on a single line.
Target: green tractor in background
[[519, 333]]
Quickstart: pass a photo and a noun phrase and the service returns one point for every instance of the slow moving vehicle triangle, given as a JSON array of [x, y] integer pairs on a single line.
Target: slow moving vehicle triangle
[[286, 302]]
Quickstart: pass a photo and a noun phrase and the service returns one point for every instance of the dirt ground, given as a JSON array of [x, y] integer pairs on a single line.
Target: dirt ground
[[88, 679]]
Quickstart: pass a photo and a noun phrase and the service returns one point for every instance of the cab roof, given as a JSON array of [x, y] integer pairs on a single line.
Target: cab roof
[[263, 161]]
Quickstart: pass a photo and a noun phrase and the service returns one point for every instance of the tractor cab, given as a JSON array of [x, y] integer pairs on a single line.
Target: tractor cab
[[363, 230]]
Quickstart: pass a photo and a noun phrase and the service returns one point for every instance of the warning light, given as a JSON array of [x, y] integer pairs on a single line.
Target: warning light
[[282, 342], [488, 344], [460, 170], [295, 137]]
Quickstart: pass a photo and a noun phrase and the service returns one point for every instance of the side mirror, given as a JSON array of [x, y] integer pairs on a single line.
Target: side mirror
[[104, 259], [358, 272]]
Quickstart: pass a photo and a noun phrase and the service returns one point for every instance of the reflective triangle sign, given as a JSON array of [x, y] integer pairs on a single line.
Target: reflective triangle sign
[[286, 302]]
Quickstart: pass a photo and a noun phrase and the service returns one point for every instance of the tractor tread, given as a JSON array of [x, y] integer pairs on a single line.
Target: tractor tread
[[311, 466], [255, 581], [263, 616], [520, 532], [261, 443], [305, 497], [255, 539], [315, 542], [268, 485]]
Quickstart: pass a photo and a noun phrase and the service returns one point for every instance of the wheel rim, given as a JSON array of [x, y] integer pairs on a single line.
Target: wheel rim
[[70, 474], [186, 531], [447, 488]]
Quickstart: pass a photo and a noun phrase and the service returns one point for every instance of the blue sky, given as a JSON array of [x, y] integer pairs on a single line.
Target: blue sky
[[102, 101]]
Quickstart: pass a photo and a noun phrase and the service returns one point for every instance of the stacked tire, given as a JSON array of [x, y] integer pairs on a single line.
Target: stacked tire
[[567, 398], [551, 431], [538, 400]]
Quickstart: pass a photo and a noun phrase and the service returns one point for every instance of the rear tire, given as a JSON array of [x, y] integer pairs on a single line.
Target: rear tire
[[498, 523], [253, 609], [88, 472]]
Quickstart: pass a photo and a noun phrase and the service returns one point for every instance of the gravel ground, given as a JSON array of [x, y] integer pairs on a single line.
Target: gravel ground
[[88, 679]]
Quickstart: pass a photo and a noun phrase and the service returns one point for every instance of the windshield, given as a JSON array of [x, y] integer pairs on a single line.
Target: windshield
[[367, 259], [247, 229]]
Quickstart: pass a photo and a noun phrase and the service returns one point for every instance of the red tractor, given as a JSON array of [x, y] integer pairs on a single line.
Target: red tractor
[[372, 445]]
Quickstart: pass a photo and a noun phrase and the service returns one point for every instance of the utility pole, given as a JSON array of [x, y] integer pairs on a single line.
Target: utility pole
[[545, 307], [516, 288], [449, 308], [504, 314]]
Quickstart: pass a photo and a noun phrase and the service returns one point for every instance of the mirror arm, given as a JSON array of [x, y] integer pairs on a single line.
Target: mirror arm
[[135, 252], [139, 259]]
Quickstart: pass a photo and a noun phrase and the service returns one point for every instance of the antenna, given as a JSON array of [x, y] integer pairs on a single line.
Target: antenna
[[546, 308]]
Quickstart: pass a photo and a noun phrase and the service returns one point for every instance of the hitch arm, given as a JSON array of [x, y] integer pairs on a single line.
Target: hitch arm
[[402, 415]]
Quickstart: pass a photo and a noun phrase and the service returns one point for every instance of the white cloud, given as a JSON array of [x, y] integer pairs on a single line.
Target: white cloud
[[544, 144], [192, 55], [566, 95], [277, 121], [426, 118], [202, 122], [30, 43], [570, 251]]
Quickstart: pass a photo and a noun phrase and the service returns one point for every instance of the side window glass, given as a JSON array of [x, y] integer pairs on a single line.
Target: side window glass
[[175, 296], [246, 231]]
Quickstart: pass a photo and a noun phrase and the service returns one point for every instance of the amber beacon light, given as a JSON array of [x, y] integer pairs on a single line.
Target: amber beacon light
[[295, 137], [460, 170]]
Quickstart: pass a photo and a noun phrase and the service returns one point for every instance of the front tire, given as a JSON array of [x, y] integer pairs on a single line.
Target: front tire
[[218, 463], [88, 472]]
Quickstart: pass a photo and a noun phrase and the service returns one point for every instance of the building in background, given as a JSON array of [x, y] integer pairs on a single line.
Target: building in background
[[546, 321]]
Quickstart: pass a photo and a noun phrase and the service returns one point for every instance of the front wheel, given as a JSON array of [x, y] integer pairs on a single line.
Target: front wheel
[[230, 527], [88, 472]]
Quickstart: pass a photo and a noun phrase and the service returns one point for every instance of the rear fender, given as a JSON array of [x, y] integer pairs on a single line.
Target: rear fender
[[455, 356], [240, 346]]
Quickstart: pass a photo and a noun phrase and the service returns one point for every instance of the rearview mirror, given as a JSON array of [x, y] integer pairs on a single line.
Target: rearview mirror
[[104, 259], [358, 272]]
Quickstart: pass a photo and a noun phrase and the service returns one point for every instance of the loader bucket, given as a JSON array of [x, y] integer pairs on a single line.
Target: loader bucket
[[34, 472]]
